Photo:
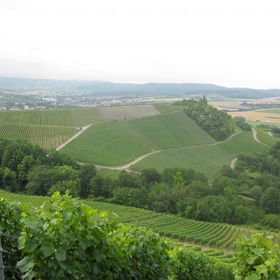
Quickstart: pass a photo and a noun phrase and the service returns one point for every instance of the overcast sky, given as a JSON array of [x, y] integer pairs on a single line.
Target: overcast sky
[[226, 42]]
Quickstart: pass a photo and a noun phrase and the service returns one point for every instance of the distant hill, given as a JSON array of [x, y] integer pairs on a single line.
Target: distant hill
[[97, 88]]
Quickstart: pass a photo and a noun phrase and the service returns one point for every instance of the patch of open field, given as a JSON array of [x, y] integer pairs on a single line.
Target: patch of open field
[[119, 142], [165, 108], [257, 115], [273, 111], [207, 158], [126, 112]]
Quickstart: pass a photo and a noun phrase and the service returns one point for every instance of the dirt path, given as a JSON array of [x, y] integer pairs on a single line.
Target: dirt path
[[127, 166], [84, 128], [255, 135], [233, 163]]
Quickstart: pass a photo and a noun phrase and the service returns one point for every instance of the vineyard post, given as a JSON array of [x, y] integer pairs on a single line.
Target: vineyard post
[[2, 267]]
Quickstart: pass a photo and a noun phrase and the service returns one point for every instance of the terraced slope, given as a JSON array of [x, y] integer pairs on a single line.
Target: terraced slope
[[137, 217], [185, 230], [119, 142]]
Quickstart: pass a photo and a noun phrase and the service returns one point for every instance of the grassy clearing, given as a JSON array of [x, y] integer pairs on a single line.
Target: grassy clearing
[[207, 159], [119, 142]]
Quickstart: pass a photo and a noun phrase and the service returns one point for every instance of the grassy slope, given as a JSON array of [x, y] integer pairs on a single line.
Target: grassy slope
[[265, 137], [119, 142], [207, 159], [164, 108], [51, 128]]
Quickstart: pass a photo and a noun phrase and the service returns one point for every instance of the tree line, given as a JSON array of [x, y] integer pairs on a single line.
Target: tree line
[[247, 195], [216, 122]]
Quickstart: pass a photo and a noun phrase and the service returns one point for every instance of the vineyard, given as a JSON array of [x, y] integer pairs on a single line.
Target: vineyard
[[51, 128], [205, 234], [139, 217]]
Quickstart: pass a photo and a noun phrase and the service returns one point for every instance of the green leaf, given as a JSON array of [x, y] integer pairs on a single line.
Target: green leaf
[[60, 254], [25, 264], [47, 250]]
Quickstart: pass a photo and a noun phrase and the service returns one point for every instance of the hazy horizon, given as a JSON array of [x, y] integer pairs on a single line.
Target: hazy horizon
[[226, 43]]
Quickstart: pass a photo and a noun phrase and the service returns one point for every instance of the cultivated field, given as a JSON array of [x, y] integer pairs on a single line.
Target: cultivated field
[[118, 142], [207, 158], [51, 128], [264, 116], [207, 234]]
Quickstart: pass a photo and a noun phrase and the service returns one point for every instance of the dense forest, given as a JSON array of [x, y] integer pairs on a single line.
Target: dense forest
[[247, 195]]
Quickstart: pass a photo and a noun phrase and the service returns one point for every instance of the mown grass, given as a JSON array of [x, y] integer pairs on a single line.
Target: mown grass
[[119, 142], [207, 159]]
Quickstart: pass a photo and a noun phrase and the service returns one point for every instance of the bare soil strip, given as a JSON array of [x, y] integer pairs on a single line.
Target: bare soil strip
[[83, 129], [233, 163]]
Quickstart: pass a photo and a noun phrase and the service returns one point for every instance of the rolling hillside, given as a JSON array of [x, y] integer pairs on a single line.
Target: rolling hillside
[[205, 158], [119, 142], [51, 128]]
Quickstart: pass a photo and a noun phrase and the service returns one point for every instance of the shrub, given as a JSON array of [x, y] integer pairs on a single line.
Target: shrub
[[191, 265], [144, 255], [65, 240], [258, 259], [10, 227]]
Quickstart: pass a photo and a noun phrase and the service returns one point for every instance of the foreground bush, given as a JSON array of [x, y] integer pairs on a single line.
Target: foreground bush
[[190, 265], [259, 259], [10, 228], [66, 239], [144, 255]]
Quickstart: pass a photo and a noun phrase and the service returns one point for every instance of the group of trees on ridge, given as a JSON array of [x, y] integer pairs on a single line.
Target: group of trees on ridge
[[247, 195], [217, 123]]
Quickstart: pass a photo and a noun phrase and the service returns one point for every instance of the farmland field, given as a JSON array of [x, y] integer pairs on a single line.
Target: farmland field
[[51, 128], [208, 234], [262, 115], [207, 159], [118, 142], [168, 108]]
